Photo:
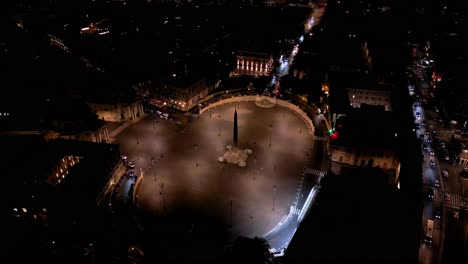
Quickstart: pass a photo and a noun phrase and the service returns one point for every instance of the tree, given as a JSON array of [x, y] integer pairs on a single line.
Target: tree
[[249, 251]]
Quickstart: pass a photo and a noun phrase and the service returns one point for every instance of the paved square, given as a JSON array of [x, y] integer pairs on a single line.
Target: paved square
[[189, 177]]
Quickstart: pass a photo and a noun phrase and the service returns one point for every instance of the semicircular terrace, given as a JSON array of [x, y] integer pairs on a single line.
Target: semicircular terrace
[[259, 98]]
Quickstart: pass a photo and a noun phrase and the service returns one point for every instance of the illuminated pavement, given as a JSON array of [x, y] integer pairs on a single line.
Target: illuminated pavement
[[189, 178]]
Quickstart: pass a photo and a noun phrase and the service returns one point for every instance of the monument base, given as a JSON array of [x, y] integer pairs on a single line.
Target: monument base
[[235, 155]]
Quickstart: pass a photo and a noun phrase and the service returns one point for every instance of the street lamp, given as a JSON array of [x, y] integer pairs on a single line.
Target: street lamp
[[271, 128], [255, 167], [196, 152], [274, 192]]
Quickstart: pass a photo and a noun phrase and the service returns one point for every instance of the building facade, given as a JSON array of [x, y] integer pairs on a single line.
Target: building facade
[[254, 64], [357, 97], [181, 96], [99, 135], [118, 112], [367, 137]]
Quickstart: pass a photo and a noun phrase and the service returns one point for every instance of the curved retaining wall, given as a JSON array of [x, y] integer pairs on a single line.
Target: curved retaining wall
[[250, 98]]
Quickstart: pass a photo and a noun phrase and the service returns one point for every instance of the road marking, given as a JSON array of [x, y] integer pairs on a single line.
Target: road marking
[[314, 172]]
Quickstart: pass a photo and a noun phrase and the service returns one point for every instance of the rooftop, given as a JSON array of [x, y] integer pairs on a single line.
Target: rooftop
[[367, 127], [346, 211]]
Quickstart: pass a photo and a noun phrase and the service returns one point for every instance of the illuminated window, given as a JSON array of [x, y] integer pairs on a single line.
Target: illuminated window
[[24, 210], [15, 210], [61, 170]]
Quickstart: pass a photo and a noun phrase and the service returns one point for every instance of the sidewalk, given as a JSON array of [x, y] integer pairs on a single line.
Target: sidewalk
[[116, 127]]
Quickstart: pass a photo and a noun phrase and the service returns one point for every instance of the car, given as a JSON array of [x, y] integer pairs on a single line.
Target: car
[[131, 165], [131, 174], [430, 194], [426, 133], [431, 152], [423, 123], [437, 215], [433, 131], [123, 157], [436, 184], [456, 214], [445, 173], [432, 163]]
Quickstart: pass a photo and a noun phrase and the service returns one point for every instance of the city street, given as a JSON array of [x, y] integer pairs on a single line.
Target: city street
[[188, 177], [444, 202]]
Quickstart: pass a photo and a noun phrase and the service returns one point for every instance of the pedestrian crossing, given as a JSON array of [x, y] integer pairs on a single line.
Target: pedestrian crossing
[[314, 172], [412, 68], [455, 201], [293, 210], [451, 200], [320, 138]]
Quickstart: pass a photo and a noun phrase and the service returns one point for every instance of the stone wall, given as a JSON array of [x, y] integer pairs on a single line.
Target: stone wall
[[250, 98]]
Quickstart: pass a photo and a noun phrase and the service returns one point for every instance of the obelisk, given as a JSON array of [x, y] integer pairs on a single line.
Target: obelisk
[[235, 129]]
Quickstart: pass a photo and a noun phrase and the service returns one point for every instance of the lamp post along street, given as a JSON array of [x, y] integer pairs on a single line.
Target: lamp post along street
[[274, 192]]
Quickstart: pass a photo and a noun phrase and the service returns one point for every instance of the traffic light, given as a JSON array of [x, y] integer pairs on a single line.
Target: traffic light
[[330, 131]]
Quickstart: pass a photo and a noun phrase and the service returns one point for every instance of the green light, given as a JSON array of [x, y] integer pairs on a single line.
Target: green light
[[330, 131]]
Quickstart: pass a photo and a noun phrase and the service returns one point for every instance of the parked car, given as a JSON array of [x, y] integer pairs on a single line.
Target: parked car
[[436, 184]]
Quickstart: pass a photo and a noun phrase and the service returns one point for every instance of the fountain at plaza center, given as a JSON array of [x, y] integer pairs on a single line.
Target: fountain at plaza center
[[234, 154]]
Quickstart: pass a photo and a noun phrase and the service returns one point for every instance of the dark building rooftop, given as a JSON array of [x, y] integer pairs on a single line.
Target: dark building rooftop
[[357, 218], [89, 176], [102, 88], [50, 221], [367, 127], [37, 158]]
